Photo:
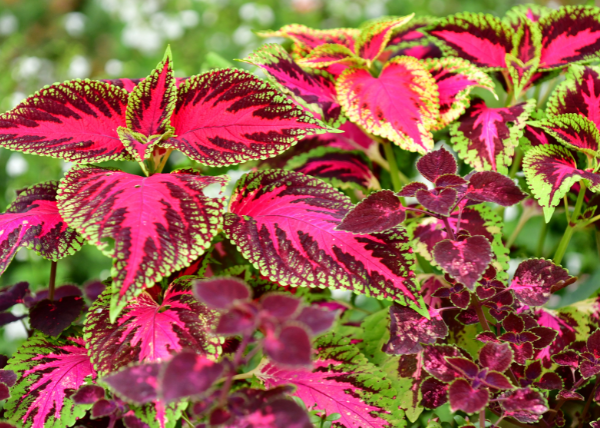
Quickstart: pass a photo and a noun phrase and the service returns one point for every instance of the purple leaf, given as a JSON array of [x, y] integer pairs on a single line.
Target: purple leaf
[[103, 408], [497, 380], [490, 186], [461, 299], [280, 305], [52, 317], [513, 323], [93, 289], [317, 319], [496, 356], [289, 347], [465, 261], [221, 293], [439, 202], [136, 383], [242, 318], [524, 404], [378, 212], [550, 381], [467, 367], [408, 330], [546, 336], [10, 296], [132, 421], [88, 394], [534, 280], [437, 163], [158, 224], [434, 362], [8, 377], [434, 392], [464, 397], [567, 358], [411, 189], [188, 375], [59, 293], [4, 392], [450, 180]]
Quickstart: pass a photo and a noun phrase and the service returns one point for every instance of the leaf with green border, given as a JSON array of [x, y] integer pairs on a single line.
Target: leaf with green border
[[574, 131], [376, 34]]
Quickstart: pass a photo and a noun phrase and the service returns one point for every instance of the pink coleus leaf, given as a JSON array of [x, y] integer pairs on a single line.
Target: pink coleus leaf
[[534, 279], [569, 34], [408, 330], [524, 404], [33, 221], [370, 102], [466, 260], [49, 369], [289, 346], [525, 12], [550, 171], [466, 398], [159, 224], [490, 186], [377, 212], [311, 38], [410, 31], [147, 331], [481, 39], [436, 364], [137, 384], [52, 317], [76, 121], [284, 223], [226, 117], [10, 296], [88, 394], [486, 138], [437, 163], [578, 94], [375, 36], [332, 58], [221, 293], [575, 132]]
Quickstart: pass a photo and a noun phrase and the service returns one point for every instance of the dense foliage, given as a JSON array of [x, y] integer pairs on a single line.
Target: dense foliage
[[325, 289]]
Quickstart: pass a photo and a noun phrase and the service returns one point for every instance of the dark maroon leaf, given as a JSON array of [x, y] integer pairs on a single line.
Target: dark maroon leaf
[[546, 336], [436, 163], [59, 293], [593, 343], [132, 421], [7, 318], [490, 186], [4, 392], [496, 356], [434, 392], [522, 352], [464, 397], [461, 299], [317, 319], [450, 180], [468, 317], [467, 367], [280, 305], [465, 260], [10, 296], [567, 358], [434, 362], [103, 408], [136, 383], [411, 189], [290, 347], [6, 425], [378, 212], [3, 361], [219, 416], [570, 395], [534, 280], [239, 319], [52, 317], [550, 381], [221, 293], [408, 329], [524, 404], [8, 377], [188, 374], [513, 323], [497, 380], [93, 289], [439, 202], [88, 394]]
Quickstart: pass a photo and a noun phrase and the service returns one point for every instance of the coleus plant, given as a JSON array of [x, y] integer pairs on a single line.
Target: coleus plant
[[232, 310]]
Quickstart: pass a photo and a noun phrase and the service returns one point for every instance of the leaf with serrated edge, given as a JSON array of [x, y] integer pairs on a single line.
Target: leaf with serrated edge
[[310, 38], [376, 34], [579, 93], [48, 370], [284, 224], [159, 224], [372, 102], [575, 132]]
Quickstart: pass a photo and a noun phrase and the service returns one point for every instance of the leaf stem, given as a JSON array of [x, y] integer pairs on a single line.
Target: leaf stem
[[449, 230], [564, 242], [482, 419], [52, 283], [566, 201], [482, 319], [522, 221], [186, 419], [514, 168], [144, 170], [540, 246], [163, 161], [397, 177]]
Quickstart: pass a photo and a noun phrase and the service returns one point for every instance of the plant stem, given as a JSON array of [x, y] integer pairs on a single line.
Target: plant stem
[[449, 230], [186, 419], [588, 403], [52, 283], [144, 170], [163, 161], [522, 220], [477, 305], [237, 358], [514, 168], [482, 419], [540, 246], [397, 177], [564, 242]]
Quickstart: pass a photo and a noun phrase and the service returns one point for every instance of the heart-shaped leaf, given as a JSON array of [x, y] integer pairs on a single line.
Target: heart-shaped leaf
[[289, 347], [221, 293], [464, 397], [52, 317], [490, 186], [496, 356], [138, 384], [378, 212], [438, 202], [437, 163], [524, 404], [465, 260], [534, 280]]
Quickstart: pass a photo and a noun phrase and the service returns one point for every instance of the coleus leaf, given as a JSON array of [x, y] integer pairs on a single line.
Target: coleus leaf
[[524, 404], [481, 39], [289, 346], [575, 132], [310, 38], [76, 121], [48, 370], [10, 296], [147, 331], [410, 31], [370, 102], [313, 89], [466, 398], [455, 77], [284, 223], [437, 163], [33, 221], [159, 224], [579, 93], [496, 356], [464, 260], [226, 117], [332, 58], [525, 12], [523, 61], [534, 279], [486, 138], [550, 171], [378, 212], [137, 384], [408, 330], [52, 317], [340, 168], [375, 35], [490, 186]]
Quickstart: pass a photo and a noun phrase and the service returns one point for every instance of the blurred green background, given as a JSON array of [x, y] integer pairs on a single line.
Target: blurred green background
[[45, 41]]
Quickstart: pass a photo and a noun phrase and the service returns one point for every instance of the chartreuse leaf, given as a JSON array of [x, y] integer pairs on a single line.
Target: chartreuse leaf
[[550, 171], [48, 369], [372, 102], [76, 121], [375, 35], [324, 56], [486, 137], [344, 382], [33, 221], [479, 38], [575, 132], [579, 93], [455, 78], [226, 117], [525, 12], [148, 331], [158, 224], [284, 224]]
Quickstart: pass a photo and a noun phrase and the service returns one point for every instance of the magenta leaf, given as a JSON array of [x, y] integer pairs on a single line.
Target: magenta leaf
[[10, 296], [103, 408], [242, 318], [466, 367], [378, 212], [496, 356], [437, 163], [435, 393], [578, 94], [48, 369], [285, 222], [317, 319], [52, 317], [76, 121], [159, 224], [188, 375], [4, 392], [550, 381], [226, 117], [410, 190], [436, 364], [408, 330], [486, 137], [289, 346], [437, 201], [88, 394], [534, 280], [33, 221], [221, 293], [8, 377], [138, 384], [466, 398], [147, 331], [132, 421], [490, 186], [524, 404], [465, 261], [279, 306]]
